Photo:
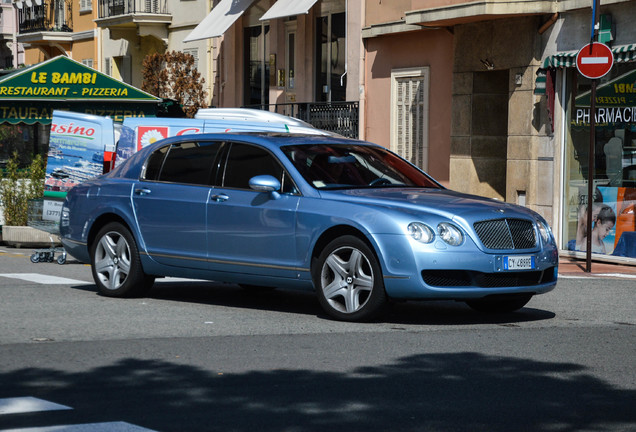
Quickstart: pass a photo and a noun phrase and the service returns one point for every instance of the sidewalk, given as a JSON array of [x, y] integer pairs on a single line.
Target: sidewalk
[[575, 267]]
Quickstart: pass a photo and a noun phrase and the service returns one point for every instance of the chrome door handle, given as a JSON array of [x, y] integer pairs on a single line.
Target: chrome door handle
[[142, 191], [220, 198]]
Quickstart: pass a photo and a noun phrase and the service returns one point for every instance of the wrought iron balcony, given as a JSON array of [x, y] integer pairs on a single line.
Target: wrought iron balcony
[[45, 16], [339, 117], [112, 8]]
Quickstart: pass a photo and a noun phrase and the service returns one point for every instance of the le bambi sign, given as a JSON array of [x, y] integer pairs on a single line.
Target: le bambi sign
[[594, 60]]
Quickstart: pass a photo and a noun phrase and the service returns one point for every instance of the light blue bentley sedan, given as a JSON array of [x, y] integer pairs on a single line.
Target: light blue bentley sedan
[[349, 219]]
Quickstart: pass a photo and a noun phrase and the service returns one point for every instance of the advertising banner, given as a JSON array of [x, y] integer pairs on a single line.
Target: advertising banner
[[76, 150], [614, 220]]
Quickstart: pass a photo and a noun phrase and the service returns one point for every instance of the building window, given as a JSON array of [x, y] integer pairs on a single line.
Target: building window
[[256, 66], [194, 52], [614, 153], [409, 114], [86, 5], [331, 80], [290, 56], [88, 62]]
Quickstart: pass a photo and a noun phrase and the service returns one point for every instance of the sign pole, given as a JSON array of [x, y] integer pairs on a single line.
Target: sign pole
[[590, 179], [592, 150]]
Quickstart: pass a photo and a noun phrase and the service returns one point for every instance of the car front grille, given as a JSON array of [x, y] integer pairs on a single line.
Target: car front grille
[[506, 233], [451, 278]]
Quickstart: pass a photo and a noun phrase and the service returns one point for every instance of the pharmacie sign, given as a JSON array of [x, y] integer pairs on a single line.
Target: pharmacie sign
[[615, 102], [29, 95]]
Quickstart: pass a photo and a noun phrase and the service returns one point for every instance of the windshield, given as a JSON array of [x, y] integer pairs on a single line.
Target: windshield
[[344, 166]]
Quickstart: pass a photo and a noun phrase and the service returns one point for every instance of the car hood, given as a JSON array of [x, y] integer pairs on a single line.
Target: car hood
[[442, 202]]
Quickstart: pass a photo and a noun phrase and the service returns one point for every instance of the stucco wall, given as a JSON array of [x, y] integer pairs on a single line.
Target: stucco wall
[[379, 12], [431, 48]]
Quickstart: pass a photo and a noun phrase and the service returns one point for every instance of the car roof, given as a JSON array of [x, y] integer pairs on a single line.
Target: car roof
[[267, 139], [271, 140]]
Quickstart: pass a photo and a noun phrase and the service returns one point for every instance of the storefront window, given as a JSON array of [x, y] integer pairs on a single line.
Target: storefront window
[[613, 230]]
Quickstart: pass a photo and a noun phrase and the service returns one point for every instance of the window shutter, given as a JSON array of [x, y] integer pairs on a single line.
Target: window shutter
[[410, 116], [194, 52], [107, 67]]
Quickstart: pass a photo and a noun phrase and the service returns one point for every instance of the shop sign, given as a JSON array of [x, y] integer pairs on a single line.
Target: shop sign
[[615, 102], [31, 113], [62, 78], [620, 91]]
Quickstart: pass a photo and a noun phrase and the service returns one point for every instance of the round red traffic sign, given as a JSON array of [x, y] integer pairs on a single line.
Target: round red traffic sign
[[594, 60]]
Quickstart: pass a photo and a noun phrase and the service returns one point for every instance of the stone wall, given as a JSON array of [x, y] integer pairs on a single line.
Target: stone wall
[[500, 143]]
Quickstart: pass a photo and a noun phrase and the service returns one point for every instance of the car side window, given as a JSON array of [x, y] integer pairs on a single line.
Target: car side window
[[154, 163], [186, 163], [246, 161]]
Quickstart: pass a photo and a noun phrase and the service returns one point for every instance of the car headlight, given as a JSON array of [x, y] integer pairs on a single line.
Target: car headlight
[[544, 230], [420, 232], [450, 234]]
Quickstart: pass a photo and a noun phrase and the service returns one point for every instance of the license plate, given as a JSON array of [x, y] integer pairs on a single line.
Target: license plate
[[522, 262]]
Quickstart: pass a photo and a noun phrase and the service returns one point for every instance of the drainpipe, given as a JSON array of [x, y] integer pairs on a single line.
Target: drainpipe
[[549, 23], [362, 71], [15, 50], [209, 55]]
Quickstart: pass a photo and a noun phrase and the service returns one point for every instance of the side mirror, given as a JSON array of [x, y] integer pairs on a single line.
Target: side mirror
[[266, 183]]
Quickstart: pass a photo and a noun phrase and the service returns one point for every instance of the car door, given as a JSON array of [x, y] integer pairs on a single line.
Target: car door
[[252, 232], [170, 203]]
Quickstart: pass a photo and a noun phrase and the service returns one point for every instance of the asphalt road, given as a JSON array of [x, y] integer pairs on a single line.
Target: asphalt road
[[200, 356]]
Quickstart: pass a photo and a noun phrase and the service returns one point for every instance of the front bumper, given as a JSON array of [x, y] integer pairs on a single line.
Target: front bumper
[[438, 271]]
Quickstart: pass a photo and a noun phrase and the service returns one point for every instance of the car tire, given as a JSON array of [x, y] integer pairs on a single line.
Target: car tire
[[348, 280], [499, 304], [116, 265]]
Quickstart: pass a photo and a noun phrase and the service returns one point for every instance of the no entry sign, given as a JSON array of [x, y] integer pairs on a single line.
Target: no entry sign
[[594, 60]]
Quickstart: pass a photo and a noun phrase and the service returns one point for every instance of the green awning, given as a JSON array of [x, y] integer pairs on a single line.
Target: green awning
[[29, 95], [622, 54], [565, 59]]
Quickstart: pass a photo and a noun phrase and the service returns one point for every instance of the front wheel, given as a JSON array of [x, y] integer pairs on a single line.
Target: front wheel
[[348, 280], [499, 304], [116, 265]]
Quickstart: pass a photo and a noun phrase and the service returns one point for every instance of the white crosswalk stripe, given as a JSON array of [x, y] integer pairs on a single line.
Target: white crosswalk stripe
[[22, 405], [43, 279], [56, 280]]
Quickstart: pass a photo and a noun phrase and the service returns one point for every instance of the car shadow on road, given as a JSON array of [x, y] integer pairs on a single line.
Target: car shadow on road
[[463, 391], [306, 303]]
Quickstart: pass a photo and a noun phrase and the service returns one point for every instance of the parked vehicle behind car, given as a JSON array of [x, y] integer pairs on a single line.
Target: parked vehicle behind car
[[346, 218]]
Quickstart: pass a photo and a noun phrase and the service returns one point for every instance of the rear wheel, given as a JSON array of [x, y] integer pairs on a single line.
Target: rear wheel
[[348, 280], [116, 265], [500, 304]]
